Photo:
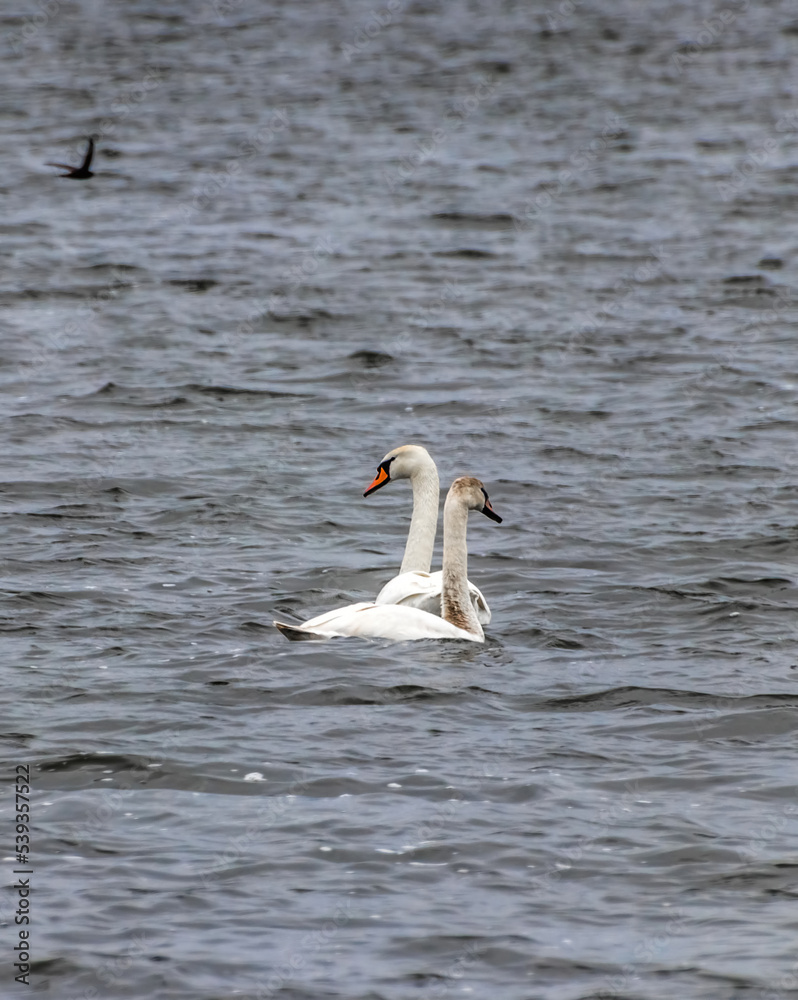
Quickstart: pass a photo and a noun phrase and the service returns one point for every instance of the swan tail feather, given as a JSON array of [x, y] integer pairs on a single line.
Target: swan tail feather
[[296, 633]]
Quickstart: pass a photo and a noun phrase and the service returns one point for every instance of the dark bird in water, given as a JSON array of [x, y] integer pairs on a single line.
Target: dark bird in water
[[78, 173]]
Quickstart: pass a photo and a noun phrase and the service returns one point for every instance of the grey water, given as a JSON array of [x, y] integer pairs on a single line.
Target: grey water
[[556, 243]]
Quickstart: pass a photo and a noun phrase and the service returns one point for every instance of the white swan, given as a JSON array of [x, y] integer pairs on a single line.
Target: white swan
[[399, 622], [415, 586]]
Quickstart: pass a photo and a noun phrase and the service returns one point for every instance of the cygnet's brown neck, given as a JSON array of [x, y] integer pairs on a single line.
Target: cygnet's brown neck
[[456, 603]]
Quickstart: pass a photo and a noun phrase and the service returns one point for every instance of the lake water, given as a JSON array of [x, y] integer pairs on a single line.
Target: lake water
[[555, 244]]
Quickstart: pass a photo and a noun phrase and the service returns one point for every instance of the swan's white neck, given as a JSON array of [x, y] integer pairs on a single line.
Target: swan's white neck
[[455, 599], [424, 523]]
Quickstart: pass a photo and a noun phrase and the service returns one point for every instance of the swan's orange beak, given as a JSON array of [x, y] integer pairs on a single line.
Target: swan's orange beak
[[381, 479], [488, 511]]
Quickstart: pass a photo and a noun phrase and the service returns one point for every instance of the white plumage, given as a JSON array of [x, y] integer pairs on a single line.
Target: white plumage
[[415, 586], [400, 622]]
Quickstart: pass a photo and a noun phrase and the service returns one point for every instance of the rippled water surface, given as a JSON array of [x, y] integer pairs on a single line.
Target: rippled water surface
[[556, 244]]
